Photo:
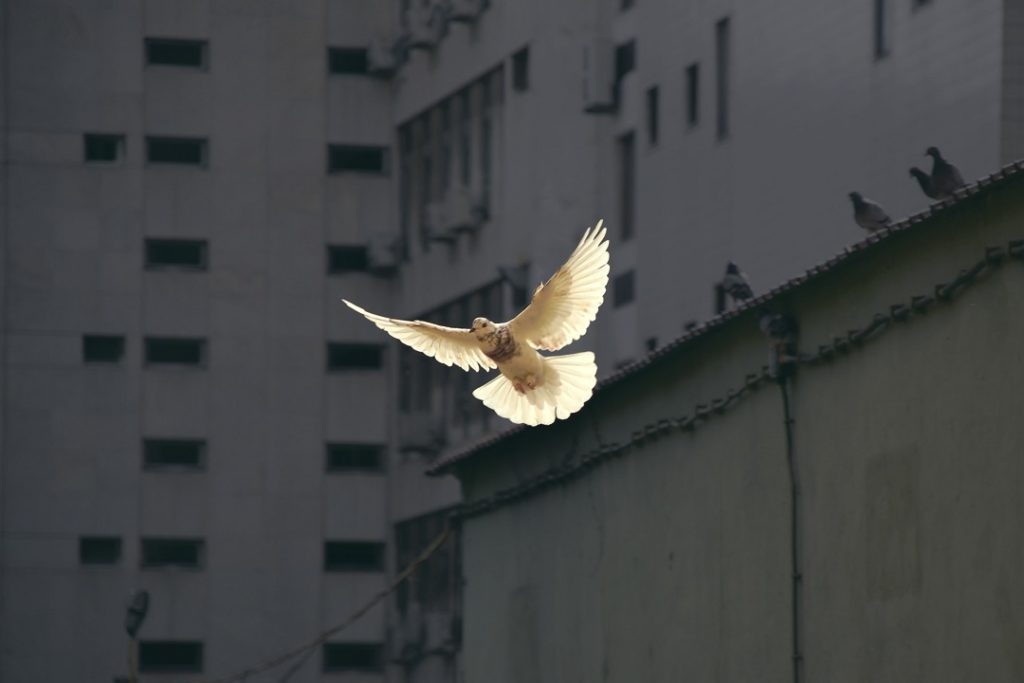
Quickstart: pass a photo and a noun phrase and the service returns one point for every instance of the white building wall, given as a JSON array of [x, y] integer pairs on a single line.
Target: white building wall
[[264, 403]]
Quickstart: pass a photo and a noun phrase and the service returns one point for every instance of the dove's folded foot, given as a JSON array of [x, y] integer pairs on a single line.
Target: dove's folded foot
[[519, 387]]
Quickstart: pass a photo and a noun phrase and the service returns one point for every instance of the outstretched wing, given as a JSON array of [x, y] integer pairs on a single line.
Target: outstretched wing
[[563, 307], [448, 345]]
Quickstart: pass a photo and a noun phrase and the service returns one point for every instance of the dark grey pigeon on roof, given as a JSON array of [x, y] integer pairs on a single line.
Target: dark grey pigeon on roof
[[735, 283], [925, 181], [868, 214], [946, 178]]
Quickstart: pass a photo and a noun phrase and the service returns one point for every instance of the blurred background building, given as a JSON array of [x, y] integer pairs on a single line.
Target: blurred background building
[[189, 188]]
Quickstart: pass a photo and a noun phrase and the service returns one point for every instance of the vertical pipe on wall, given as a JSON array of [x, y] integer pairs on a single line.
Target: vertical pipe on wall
[[794, 530]]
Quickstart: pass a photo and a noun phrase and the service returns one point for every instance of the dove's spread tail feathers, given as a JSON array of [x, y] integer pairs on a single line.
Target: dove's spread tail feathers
[[567, 383]]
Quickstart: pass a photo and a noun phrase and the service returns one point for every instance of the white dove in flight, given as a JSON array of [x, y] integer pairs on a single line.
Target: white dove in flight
[[532, 389]]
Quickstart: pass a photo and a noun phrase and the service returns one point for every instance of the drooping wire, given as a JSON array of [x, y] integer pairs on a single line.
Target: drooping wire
[[307, 648]]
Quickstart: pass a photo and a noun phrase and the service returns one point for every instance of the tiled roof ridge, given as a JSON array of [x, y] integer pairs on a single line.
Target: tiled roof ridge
[[443, 463]]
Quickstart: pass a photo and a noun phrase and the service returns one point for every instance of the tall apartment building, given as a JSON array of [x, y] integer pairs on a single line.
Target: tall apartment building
[[189, 189]]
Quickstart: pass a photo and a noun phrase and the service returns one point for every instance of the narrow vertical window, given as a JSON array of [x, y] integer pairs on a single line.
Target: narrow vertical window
[[425, 178], [881, 29], [693, 95], [623, 289], [465, 137], [521, 70], [446, 147], [405, 172], [485, 141], [722, 49], [625, 61], [627, 184], [652, 116]]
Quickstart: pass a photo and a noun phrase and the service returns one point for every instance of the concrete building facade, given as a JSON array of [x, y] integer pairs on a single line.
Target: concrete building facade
[[189, 189], [658, 534]]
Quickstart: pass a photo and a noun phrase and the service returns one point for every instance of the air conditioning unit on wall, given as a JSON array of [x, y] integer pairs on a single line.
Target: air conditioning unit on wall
[[426, 26], [437, 224], [382, 55], [383, 252], [463, 212]]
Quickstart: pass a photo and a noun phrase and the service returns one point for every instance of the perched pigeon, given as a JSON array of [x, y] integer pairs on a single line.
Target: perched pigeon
[[735, 283], [532, 389], [946, 178], [868, 214], [925, 181]]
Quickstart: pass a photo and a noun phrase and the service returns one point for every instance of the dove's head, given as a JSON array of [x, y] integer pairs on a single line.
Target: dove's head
[[933, 152], [856, 197], [482, 327]]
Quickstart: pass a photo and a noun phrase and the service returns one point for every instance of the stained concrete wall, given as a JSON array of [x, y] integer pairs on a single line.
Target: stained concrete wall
[[672, 562]]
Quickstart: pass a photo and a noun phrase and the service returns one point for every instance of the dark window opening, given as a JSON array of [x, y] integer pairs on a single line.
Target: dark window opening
[[356, 158], [99, 549], [176, 52], [173, 453], [183, 151], [353, 556], [344, 356], [353, 657], [627, 184], [693, 94], [722, 49], [175, 351], [100, 147], [625, 61], [176, 253], [347, 259], [652, 115], [101, 348], [623, 289], [172, 552], [347, 60], [521, 70], [170, 656], [881, 29], [355, 457]]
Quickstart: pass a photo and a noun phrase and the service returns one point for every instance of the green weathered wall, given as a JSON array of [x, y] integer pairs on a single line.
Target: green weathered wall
[[672, 562]]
